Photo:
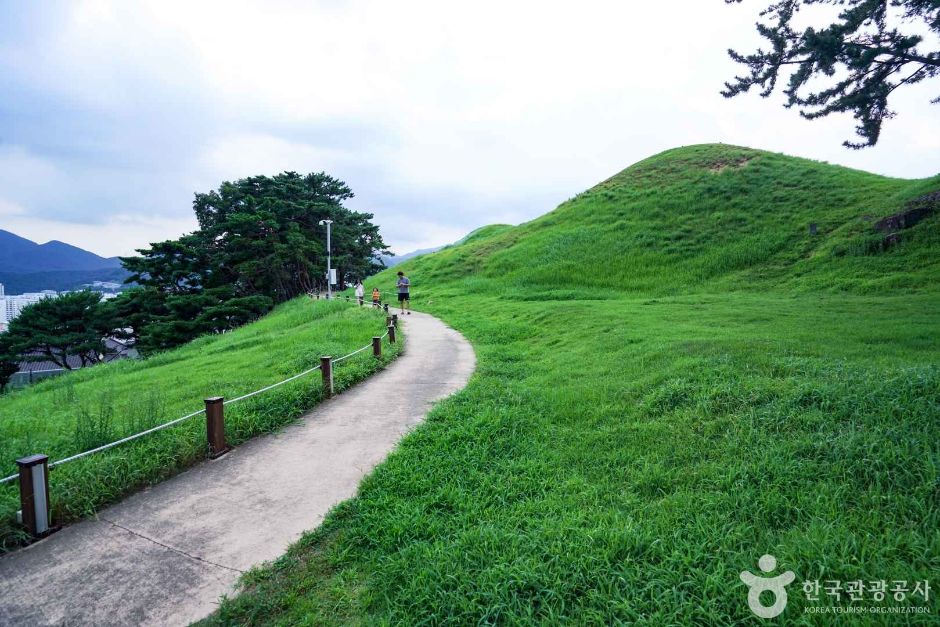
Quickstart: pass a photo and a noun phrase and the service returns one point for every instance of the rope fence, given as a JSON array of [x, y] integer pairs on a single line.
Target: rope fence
[[37, 522], [352, 354], [272, 386]]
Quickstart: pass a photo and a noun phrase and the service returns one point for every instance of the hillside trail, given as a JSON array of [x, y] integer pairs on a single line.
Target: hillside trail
[[165, 555]]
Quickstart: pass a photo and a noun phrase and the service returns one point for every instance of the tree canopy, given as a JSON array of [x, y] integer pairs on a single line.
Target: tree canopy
[[8, 364], [852, 64], [54, 329], [259, 243]]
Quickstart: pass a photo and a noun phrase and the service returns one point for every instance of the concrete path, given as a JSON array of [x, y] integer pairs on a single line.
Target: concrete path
[[165, 555]]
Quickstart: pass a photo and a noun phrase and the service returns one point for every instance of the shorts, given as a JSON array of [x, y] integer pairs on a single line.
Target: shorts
[[403, 297]]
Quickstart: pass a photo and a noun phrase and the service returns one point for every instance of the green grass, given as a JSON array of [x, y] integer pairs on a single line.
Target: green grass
[[673, 379], [85, 409]]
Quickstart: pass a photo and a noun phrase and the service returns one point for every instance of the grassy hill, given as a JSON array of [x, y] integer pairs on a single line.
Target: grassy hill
[[675, 377], [714, 217], [91, 407]]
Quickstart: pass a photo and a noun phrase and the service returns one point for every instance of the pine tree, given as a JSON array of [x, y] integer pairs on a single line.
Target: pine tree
[[873, 48]]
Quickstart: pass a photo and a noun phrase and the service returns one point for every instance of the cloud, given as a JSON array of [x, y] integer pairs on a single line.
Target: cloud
[[9, 209], [26, 176], [441, 117]]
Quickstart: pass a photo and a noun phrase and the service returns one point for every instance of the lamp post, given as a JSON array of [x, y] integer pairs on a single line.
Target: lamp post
[[329, 262]]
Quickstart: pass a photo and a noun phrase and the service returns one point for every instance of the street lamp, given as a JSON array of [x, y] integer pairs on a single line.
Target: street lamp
[[329, 269]]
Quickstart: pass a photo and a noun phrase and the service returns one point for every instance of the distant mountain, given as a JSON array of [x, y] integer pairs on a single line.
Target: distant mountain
[[18, 254], [397, 259], [26, 266]]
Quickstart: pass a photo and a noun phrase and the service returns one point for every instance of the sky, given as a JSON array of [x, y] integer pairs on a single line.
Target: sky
[[441, 116]]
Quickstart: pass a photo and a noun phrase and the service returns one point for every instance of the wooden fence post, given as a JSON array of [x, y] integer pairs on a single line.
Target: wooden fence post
[[215, 426], [326, 369], [391, 334], [377, 347]]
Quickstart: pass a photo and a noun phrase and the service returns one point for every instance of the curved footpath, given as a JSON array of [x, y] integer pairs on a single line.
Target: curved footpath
[[165, 555]]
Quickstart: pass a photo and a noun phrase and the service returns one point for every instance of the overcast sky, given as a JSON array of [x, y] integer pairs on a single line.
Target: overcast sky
[[442, 118]]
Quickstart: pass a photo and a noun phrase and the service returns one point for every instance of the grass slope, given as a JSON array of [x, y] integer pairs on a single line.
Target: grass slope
[[81, 410], [674, 378]]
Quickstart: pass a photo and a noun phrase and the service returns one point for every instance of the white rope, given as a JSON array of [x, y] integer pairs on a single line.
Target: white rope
[[10, 478], [270, 387], [127, 439], [339, 359]]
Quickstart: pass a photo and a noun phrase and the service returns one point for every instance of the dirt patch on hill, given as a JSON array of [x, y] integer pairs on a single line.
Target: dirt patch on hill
[[720, 166]]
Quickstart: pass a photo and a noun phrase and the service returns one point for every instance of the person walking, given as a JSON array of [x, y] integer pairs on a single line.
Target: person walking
[[403, 285], [360, 292], [376, 297]]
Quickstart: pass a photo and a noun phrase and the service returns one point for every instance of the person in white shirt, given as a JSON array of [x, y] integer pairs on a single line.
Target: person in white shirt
[[403, 287], [360, 292]]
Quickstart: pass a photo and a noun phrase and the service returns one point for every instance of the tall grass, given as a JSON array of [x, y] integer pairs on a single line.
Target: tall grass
[[673, 379], [85, 409]]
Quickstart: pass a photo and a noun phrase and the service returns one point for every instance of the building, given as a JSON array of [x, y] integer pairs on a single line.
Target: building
[[104, 286], [11, 305], [33, 371]]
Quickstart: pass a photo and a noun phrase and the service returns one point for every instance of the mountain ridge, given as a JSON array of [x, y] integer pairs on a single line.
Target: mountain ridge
[[22, 255], [394, 260], [26, 266]]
